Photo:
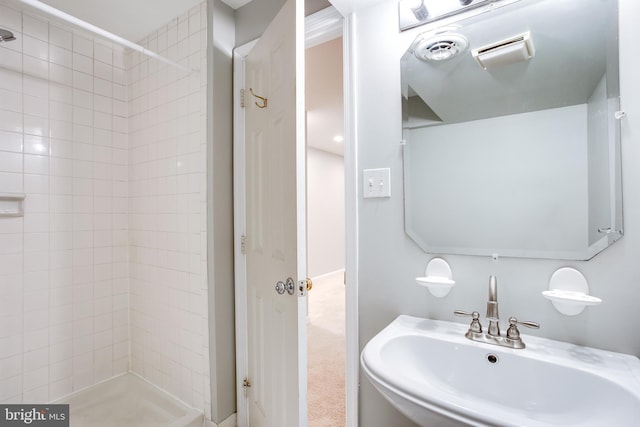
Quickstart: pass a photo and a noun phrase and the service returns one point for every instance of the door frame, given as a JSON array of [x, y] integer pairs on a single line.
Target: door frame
[[319, 27], [240, 222]]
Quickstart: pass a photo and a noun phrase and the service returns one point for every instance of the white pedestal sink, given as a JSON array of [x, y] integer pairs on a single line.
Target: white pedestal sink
[[436, 377]]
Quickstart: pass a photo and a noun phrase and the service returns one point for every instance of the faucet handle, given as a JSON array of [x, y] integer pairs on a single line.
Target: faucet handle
[[474, 314], [513, 332], [475, 320]]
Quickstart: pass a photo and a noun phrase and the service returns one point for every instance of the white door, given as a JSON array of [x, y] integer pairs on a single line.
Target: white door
[[275, 244]]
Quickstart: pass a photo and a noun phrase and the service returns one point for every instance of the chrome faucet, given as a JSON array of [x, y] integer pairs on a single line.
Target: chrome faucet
[[492, 308], [492, 336]]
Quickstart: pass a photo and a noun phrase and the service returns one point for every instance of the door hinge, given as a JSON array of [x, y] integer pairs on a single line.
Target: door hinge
[[241, 98], [243, 244], [245, 385]]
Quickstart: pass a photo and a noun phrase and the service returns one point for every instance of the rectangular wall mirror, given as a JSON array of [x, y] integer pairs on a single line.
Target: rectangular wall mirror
[[511, 126]]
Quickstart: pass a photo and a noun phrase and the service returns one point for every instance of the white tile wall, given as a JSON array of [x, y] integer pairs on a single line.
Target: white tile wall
[[167, 182], [64, 273], [112, 160]]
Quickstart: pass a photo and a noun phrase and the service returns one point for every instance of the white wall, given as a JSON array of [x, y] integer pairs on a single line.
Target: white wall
[[389, 261], [168, 194], [64, 265], [325, 212], [220, 211], [253, 18]]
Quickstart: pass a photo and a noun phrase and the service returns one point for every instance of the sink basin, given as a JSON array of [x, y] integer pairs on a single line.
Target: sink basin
[[436, 377]]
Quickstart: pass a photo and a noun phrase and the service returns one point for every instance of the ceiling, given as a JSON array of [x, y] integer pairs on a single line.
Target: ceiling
[[346, 7], [235, 4]]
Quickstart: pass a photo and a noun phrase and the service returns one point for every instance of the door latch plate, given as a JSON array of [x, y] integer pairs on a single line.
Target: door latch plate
[[302, 288]]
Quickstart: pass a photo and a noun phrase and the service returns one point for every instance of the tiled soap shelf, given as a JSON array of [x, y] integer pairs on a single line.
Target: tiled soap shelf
[[11, 204]]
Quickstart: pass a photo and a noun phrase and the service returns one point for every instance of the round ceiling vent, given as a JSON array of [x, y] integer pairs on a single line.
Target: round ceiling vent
[[441, 47]]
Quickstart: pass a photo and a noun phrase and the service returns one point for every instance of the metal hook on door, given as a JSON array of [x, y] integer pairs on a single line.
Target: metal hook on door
[[264, 100]]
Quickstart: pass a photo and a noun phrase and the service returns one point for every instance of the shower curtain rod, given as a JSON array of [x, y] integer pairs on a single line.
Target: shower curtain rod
[[99, 31]]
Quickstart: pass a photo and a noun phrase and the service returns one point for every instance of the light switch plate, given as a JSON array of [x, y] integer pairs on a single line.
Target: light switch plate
[[376, 183]]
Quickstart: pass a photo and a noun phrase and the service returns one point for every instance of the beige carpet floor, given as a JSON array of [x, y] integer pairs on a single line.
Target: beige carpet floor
[[326, 352]]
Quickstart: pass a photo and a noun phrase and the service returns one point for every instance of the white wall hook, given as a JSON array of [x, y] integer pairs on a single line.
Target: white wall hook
[[438, 278]]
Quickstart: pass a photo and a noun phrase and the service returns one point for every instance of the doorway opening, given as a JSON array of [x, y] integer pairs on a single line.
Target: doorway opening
[[326, 343], [321, 27]]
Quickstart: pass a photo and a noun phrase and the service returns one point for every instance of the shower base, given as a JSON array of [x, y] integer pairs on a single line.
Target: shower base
[[128, 401]]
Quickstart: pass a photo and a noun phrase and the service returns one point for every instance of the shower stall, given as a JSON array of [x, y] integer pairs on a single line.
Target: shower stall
[[103, 215]]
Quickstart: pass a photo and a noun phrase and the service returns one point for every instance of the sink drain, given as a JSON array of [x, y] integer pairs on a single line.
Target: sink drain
[[492, 358]]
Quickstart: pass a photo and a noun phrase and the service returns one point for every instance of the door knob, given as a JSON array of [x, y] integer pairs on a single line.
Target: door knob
[[309, 284], [288, 286]]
